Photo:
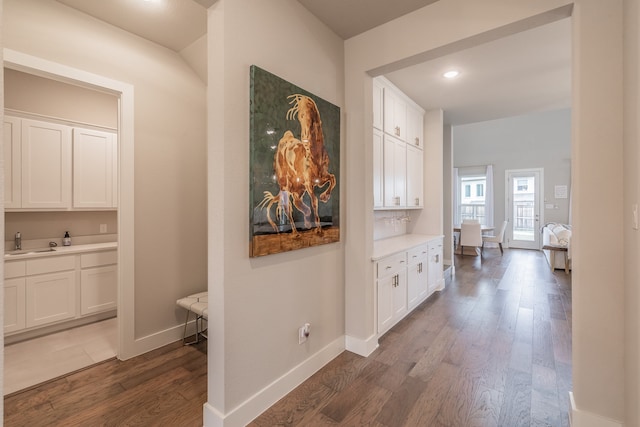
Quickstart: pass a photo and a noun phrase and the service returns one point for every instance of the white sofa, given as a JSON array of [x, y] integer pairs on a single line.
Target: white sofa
[[559, 235]]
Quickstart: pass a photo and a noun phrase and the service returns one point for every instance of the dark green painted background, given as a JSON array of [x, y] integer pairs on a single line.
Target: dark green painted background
[[269, 106]]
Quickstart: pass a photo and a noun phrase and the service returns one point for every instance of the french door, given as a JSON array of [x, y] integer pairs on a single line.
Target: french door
[[523, 196]]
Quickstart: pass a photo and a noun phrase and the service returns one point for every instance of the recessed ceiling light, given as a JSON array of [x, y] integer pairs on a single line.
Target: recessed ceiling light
[[451, 74]]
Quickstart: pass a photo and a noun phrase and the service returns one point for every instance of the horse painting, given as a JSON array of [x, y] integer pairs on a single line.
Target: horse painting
[[294, 191], [300, 165]]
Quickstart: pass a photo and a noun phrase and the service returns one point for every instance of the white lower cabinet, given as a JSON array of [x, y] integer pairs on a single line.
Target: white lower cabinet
[[43, 291], [405, 279], [417, 276], [14, 305], [392, 290], [98, 282], [50, 298], [436, 272]]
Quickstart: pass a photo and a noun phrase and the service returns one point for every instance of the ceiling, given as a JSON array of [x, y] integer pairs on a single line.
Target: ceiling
[[526, 72]]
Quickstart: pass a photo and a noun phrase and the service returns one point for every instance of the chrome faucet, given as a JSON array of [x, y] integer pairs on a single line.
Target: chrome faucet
[[18, 241]]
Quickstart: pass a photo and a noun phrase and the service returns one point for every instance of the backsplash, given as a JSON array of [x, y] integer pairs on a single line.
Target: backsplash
[[39, 228], [389, 224]]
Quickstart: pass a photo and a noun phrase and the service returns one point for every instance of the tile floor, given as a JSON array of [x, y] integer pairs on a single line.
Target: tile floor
[[34, 361]]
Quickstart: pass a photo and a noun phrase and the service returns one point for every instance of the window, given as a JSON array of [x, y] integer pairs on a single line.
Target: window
[[472, 202], [523, 185]]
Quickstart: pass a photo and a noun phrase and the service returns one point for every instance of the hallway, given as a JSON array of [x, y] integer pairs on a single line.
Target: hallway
[[492, 349]]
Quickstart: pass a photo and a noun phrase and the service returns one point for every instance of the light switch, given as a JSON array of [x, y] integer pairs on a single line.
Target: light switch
[[635, 216]]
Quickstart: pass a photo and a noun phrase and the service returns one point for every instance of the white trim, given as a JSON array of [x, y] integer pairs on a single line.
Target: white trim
[[162, 338], [265, 398], [126, 278], [580, 418], [359, 346]]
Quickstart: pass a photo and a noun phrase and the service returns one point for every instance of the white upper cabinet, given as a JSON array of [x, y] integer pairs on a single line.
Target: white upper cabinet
[[46, 165], [395, 170], [93, 169], [12, 167], [52, 166], [395, 114], [378, 169], [415, 177], [398, 159], [378, 103], [415, 126]]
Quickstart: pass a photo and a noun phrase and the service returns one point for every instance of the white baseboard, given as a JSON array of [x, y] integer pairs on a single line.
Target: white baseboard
[[580, 418], [265, 398], [161, 338], [361, 347]]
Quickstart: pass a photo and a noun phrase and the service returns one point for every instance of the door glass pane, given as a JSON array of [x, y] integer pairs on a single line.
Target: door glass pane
[[523, 208]]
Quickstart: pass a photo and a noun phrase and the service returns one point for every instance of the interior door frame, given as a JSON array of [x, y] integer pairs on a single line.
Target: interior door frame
[[126, 257], [508, 205]]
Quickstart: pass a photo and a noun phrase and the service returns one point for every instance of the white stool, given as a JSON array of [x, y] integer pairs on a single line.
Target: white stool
[[199, 305]]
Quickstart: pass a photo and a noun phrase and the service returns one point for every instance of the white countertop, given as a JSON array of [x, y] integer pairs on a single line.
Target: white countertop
[[392, 245], [61, 250]]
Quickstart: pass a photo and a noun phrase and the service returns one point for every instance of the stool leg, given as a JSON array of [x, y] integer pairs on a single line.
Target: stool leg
[[184, 334]]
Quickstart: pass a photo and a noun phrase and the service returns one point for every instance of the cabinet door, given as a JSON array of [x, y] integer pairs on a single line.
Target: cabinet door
[[400, 295], [395, 169], [385, 303], [435, 271], [93, 167], [378, 170], [12, 167], [46, 165], [378, 94], [415, 127], [14, 305], [413, 284], [415, 177], [417, 276], [98, 289], [395, 113], [50, 297]]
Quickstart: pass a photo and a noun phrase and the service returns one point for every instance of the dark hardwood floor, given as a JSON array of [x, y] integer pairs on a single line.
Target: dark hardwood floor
[[492, 349], [165, 387]]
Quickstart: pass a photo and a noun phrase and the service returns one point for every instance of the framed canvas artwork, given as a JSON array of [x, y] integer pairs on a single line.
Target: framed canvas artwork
[[294, 167]]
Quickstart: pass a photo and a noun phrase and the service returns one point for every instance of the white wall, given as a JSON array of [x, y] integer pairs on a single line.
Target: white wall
[[170, 143], [38, 95], [539, 140], [259, 303], [631, 197], [597, 177]]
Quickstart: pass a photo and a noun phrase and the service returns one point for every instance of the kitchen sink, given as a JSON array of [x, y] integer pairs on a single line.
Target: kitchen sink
[[30, 251]]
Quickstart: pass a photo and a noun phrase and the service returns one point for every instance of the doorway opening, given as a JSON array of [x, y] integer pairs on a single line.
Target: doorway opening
[[522, 207], [123, 93]]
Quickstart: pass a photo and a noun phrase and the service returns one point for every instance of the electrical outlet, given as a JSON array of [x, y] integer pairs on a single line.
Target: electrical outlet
[[303, 333], [103, 228]]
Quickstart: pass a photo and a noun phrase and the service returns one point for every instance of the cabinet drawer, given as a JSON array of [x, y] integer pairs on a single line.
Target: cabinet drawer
[[15, 269], [435, 245], [51, 264], [391, 264], [96, 259], [415, 255]]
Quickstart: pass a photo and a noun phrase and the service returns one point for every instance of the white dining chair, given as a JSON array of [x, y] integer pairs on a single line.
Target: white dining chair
[[495, 238], [470, 235]]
